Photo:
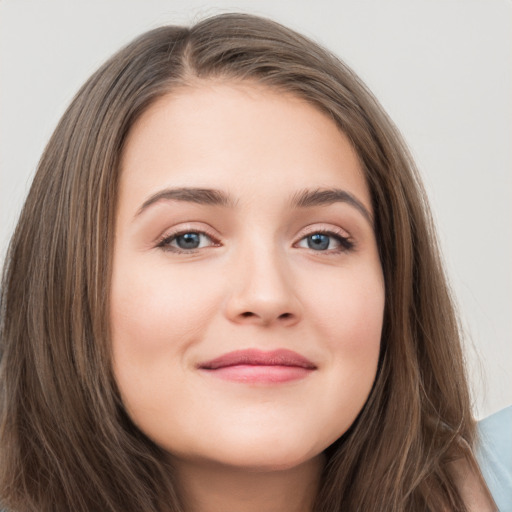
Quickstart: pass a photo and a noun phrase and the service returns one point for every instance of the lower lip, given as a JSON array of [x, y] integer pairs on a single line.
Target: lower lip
[[260, 374]]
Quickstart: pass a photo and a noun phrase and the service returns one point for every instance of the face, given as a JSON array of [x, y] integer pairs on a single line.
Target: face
[[247, 294]]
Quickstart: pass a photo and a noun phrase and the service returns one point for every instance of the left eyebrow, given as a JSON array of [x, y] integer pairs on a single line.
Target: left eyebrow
[[324, 197], [207, 196]]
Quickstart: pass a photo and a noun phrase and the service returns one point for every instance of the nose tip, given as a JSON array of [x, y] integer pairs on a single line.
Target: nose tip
[[263, 294]]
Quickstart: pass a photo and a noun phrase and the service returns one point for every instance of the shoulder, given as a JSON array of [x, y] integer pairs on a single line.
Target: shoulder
[[495, 456]]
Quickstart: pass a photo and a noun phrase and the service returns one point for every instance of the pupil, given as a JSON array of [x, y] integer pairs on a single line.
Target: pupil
[[318, 241], [188, 241]]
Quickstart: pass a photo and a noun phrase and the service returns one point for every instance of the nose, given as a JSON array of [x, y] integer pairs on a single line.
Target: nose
[[262, 291]]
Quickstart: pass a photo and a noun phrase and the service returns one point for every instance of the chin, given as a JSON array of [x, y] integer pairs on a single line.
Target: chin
[[260, 456]]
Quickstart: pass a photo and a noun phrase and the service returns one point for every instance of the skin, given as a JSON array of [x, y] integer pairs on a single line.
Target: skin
[[254, 282]]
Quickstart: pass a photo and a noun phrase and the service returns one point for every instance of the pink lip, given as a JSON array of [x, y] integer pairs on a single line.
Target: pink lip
[[257, 366]]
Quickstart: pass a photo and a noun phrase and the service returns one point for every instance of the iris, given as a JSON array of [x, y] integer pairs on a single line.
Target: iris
[[318, 241], [188, 240]]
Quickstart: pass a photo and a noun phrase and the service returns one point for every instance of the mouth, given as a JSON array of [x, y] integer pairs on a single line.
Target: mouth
[[257, 366]]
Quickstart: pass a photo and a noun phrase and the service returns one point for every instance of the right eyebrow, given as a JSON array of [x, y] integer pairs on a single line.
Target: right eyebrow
[[207, 196], [323, 197]]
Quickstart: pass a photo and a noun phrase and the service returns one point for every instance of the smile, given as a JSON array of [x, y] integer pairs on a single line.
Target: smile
[[256, 366]]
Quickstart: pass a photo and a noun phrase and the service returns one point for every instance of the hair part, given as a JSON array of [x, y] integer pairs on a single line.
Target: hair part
[[66, 442]]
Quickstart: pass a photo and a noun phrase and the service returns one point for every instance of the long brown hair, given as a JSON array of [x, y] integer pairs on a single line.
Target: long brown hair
[[66, 442]]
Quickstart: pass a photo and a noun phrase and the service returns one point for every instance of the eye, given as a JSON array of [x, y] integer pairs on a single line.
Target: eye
[[326, 241], [186, 241]]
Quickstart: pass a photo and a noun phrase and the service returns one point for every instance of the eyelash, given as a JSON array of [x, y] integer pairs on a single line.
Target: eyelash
[[165, 242], [345, 243]]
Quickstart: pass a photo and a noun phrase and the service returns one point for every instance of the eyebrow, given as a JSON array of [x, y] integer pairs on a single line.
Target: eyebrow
[[323, 197], [306, 198], [206, 196]]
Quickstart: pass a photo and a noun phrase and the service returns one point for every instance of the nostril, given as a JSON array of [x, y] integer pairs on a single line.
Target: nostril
[[251, 314]]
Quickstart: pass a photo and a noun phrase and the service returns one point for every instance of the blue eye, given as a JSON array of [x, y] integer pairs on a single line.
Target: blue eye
[[326, 242], [318, 241], [186, 242]]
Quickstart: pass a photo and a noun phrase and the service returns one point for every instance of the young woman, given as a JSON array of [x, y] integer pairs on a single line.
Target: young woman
[[224, 293]]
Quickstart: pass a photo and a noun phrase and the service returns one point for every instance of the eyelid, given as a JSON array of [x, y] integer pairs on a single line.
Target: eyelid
[[182, 229], [326, 229], [346, 240]]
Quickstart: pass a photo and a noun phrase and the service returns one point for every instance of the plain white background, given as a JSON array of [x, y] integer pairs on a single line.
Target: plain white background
[[441, 68]]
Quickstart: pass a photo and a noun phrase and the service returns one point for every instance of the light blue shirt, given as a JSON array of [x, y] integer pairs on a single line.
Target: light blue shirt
[[495, 456]]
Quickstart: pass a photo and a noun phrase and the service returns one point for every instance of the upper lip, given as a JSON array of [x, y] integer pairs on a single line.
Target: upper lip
[[255, 357]]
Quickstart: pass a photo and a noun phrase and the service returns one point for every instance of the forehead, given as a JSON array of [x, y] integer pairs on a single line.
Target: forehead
[[244, 138]]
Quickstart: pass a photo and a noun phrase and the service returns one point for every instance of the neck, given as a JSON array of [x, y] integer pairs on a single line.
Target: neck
[[218, 488]]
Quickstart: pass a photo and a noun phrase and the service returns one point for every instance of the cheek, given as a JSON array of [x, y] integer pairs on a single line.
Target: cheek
[[149, 307], [348, 317], [348, 310], [156, 315]]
